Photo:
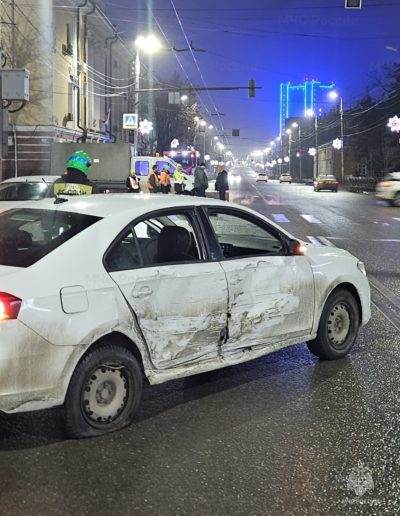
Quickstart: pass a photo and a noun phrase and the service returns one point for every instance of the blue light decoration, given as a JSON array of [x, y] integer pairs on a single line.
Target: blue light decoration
[[308, 90]]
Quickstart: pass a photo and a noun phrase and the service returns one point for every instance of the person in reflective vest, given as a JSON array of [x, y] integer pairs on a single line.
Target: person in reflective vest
[[179, 179], [132, 183], [74, 181], [153, 180], [165, 180]]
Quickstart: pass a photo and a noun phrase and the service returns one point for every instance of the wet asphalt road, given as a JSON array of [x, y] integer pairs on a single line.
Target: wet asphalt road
[[282, 435]]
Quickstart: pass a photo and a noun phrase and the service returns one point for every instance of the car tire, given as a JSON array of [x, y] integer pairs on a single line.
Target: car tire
[[316, 189], [338, 326], [396, 200], [104, 392]]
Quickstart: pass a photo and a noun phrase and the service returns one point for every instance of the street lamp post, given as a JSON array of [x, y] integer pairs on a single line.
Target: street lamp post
[[335, 95], [295, 125], [149, 44]]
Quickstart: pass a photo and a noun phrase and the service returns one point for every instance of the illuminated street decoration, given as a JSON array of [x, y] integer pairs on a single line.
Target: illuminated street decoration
[[174, 143], [312, 151], [145, 126], [305, 95], [394, 124], [337, 144], [286, 159]]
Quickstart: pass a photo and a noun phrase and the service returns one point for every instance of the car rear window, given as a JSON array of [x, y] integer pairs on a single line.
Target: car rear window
[[27, 235], [20, 191]]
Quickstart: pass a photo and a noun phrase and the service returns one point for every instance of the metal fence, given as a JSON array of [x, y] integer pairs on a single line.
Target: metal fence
[[360, 184]]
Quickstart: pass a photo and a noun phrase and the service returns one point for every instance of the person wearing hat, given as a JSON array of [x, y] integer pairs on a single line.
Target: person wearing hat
[[165, 181], [179, 179], [74, 180], [200, 181], [133, 183]]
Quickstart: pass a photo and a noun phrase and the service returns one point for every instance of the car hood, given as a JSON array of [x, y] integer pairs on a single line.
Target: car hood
[[319, 251]]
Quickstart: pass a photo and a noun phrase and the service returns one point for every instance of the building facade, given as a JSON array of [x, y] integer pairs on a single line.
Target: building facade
[[81, 80]]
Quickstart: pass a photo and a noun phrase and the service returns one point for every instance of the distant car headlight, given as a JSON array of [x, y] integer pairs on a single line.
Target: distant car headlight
[[361, 267]]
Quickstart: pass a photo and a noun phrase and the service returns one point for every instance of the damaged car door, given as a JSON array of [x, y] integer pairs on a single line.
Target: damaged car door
[[271, 294], [178, 296]]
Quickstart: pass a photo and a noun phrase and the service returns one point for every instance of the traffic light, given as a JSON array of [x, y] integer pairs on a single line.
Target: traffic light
[[353, 4], [252, 88]]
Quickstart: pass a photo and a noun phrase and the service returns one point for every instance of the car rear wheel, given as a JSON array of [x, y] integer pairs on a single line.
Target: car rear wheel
[[338, 326], [396, 200], [316, 189], [104, 392]]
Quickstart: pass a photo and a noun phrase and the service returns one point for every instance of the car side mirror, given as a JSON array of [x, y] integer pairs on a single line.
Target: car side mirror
[[295, 248]]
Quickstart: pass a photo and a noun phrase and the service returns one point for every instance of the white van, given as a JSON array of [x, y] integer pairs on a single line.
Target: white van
[[143, 164]]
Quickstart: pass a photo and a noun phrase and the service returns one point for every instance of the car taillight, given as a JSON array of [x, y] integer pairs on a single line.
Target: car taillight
[[9, 306]]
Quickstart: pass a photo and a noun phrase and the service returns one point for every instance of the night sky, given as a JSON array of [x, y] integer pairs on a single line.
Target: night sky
[[271, 42]]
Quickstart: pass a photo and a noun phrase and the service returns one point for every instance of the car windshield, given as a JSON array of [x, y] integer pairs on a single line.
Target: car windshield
[[27, 235], [23, 191]]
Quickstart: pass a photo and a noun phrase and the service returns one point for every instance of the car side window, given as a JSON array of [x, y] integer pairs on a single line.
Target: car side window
[[169, 238], [124, 254], [239, 236]]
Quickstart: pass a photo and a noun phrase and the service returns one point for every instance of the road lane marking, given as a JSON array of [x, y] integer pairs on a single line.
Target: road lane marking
[[396, 218], [314, 240], [325, 241], [395, 240], [311, 219], [280, 217]]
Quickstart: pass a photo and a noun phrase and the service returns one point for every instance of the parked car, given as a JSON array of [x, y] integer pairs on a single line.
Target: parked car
[[17, 190], [101, 292], [328, 182], [261, 176], [285, 178], [389, 188]]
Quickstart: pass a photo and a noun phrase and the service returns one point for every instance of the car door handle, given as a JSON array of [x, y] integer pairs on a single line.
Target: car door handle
[[143, 292]]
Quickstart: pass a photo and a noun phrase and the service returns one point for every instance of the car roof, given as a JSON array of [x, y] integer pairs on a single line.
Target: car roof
[[127, 206], [396, 175], [31, 179], [103, 205]]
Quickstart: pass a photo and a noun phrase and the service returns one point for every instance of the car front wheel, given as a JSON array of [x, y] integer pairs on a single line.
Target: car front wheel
[[104, 392], [338, 326]]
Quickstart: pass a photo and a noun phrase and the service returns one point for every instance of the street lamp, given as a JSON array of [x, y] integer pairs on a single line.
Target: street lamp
[[148, 44], [295, 125], [289, 133], [334, 95]]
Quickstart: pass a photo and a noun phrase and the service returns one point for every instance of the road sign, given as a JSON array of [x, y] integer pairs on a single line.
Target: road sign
[[130, 120]]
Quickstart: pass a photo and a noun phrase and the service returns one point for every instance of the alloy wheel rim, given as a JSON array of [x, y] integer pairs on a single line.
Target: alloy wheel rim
[[339, 324], [105, 394]]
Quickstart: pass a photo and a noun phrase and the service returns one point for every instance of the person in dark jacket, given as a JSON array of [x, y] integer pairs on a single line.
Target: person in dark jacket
[[75, 181], [221, 184], [200, 181]]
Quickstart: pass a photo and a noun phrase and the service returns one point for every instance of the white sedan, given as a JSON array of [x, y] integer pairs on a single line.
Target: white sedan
[[100, 292], [17, 190]]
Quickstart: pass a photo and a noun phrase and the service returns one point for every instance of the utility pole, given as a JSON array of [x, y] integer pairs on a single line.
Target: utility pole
[[342, 138]]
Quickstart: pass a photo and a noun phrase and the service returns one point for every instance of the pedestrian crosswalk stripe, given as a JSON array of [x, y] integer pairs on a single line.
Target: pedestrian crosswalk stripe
[[280, 217], [325, 241], [311, 219], [314, 240]]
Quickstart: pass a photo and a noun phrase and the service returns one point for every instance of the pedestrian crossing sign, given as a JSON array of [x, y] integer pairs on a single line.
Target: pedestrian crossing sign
[[130, 121]]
